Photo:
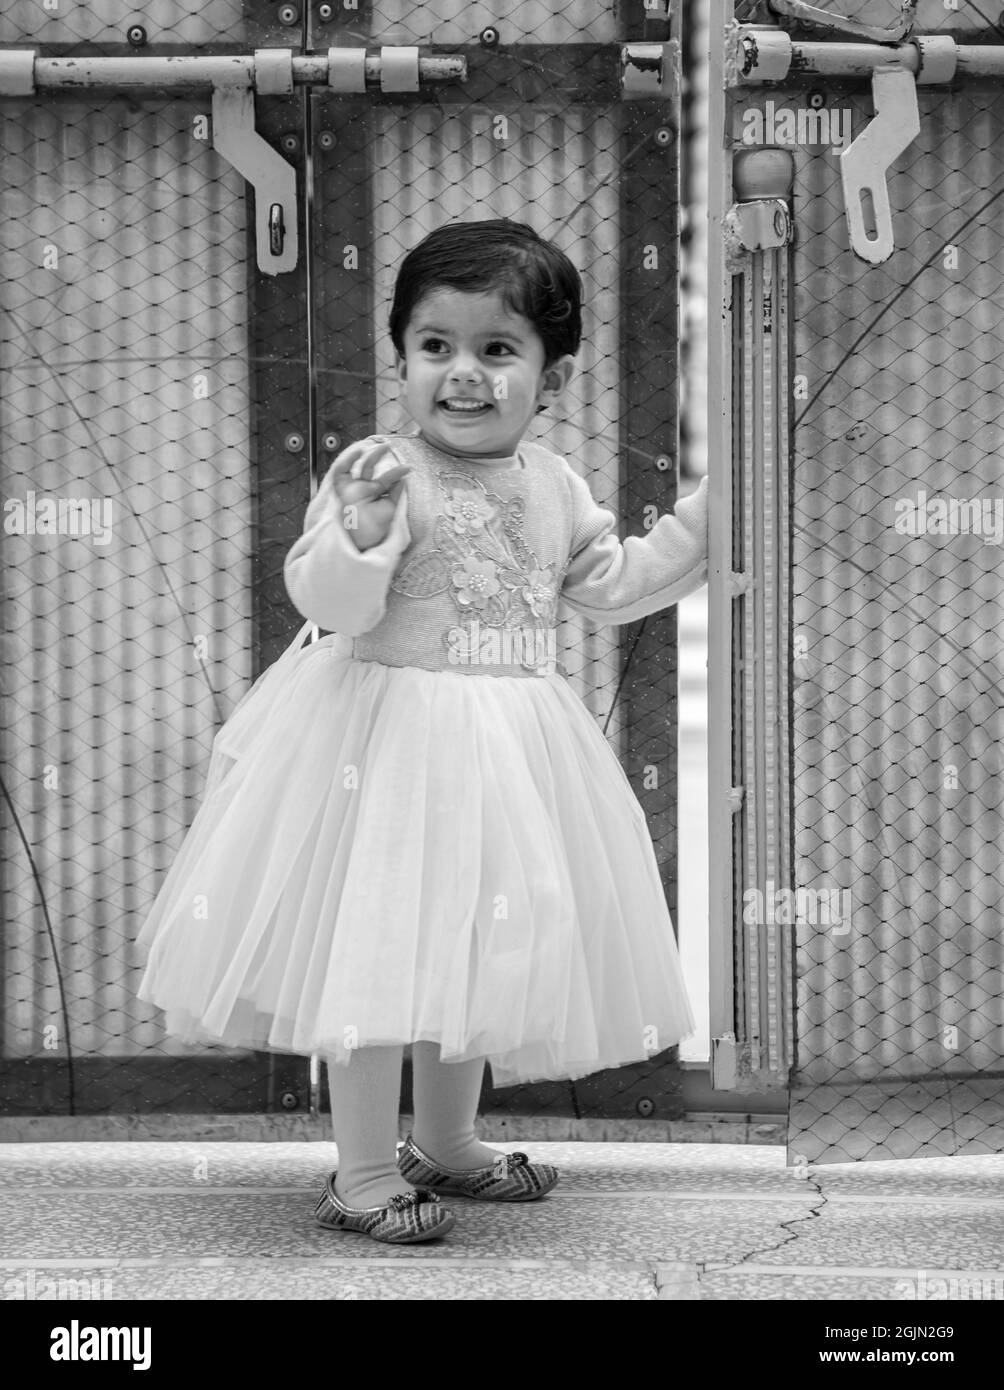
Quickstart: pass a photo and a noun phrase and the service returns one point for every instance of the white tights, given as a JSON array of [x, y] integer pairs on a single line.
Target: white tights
[[365, 1101]]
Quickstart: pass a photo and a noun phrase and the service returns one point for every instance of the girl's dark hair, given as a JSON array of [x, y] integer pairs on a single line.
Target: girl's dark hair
[[535, 278]]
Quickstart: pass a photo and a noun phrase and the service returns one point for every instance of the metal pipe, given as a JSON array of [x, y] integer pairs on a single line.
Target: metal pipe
[[861, 59], [770, 55], [130, 74], [197, 73]]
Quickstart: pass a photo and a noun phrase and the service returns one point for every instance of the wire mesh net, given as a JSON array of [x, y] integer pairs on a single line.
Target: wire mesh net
[[109, 25], [150, 376], [896, 615]]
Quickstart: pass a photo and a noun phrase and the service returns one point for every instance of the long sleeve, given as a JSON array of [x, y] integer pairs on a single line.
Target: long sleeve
[[329, 581], [610, 581]]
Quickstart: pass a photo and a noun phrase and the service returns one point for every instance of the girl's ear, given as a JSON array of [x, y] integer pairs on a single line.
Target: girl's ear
[[555, 378], [402, 370]]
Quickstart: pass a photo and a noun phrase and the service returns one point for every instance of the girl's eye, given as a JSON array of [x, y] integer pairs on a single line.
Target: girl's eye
[[502, 349], [432, 344]]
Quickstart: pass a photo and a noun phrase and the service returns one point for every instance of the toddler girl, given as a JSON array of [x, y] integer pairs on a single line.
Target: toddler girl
[[421, 836]]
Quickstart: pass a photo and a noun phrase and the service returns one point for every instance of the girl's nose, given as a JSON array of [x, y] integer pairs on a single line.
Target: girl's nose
[[465, 368]]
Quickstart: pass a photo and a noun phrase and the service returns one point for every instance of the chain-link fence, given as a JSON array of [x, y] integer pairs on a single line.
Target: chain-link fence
[[164, 409]]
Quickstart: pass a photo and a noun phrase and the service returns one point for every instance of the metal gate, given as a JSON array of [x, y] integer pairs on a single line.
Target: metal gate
[[857, 597], [204, 215]]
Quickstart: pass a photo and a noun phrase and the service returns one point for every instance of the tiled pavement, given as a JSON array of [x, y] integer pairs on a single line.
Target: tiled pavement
[[629, 1221]]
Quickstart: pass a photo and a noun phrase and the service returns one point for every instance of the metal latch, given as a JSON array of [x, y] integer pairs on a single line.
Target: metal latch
[[866, 160], [233, 80], [272, 177]]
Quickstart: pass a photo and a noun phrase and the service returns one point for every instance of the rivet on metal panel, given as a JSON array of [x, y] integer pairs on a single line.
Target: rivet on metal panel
[[17, 72], [864, 163], [663, 462], [136, 36], [326, 140], [324, 13], [294, 443], [650, 70], [489, 38], [330, 442], [288, 15]]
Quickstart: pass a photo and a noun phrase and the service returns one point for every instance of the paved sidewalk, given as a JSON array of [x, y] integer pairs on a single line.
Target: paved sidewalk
[[628, 1221]]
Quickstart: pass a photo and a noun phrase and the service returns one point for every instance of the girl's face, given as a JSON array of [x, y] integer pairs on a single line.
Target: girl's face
[[473, 372]]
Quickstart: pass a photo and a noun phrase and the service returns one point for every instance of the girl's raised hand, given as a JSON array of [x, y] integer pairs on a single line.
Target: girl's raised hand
[[368, 503]]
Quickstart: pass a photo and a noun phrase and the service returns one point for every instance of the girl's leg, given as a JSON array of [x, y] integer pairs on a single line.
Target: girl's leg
[[365, 1101], [446, 1103]]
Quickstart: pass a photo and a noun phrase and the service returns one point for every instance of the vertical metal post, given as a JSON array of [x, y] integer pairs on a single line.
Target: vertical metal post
[[280, 476], [649, 202], [722, 561]]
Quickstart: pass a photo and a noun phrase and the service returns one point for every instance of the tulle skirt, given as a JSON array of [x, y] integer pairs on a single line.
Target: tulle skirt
[[389, 854]]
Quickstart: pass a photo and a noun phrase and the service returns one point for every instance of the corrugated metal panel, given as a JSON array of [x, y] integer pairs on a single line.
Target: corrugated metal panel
[[899, 715], [519, 21], [123, 380], [106, 21]]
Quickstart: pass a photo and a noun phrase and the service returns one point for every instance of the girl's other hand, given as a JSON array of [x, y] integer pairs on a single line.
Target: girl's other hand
[[368, 503]]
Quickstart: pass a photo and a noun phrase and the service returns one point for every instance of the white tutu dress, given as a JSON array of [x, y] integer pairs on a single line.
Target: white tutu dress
[[422, 833]]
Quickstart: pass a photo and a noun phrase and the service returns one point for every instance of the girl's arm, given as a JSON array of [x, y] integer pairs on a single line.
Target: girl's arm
[[610, 581], [329, 581]]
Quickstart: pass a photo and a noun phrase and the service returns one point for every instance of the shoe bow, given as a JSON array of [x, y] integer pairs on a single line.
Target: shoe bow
[[402, 1200]]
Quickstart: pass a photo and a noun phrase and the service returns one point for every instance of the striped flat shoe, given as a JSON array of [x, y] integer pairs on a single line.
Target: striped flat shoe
[[510, 1178], [407, 1218]]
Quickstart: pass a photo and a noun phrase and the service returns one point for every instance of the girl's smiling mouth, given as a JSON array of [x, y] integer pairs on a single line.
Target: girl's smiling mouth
[[463, 405]]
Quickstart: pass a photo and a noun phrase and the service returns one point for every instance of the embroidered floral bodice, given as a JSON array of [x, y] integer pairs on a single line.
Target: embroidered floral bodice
[[479, 556]]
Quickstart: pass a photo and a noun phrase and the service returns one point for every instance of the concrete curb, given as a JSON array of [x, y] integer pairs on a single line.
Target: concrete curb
[[257, 1129]]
